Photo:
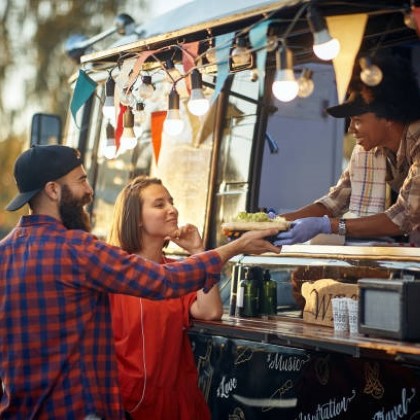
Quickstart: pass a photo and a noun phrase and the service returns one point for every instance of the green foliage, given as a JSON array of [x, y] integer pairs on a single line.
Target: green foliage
[[34, 68], [9, 150]]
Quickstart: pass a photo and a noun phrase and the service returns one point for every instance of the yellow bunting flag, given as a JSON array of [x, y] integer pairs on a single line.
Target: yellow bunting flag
[[349, 30]]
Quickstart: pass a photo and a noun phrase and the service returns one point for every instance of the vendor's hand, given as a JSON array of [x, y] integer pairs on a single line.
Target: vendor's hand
[[303, 229], [271, 213], [188, 238]]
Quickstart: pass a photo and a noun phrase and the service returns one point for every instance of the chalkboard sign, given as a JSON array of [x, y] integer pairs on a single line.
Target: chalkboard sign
[[245, 380]]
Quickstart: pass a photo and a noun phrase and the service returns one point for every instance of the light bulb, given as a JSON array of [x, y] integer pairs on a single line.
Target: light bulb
[[241, 55], [128, 138], [253, 76], [327, 50], [139, 118], [409, 20], [371, 74], [109, 149], [173, 124], [108, 109], [306, 84], [145, 89], [211, 55], [325, 47], [285, 86], [172, 73], [198, 103], [126, 97]]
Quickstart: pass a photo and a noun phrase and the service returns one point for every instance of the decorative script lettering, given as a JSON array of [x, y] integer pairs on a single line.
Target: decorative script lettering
[[226, 387], [329, 410], [284, 363], [399, 411]]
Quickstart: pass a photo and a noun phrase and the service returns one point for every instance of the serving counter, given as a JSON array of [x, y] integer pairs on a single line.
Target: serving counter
[[280, 366]]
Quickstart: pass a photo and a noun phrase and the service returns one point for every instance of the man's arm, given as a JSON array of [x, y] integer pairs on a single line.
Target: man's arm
[[370, 226], [311, 210]]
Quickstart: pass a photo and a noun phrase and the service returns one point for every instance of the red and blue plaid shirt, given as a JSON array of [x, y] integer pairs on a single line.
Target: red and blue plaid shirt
[[57, 355]]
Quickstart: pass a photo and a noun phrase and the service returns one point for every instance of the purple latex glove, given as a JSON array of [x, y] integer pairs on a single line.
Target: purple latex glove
[[303, 229], [271, 213]]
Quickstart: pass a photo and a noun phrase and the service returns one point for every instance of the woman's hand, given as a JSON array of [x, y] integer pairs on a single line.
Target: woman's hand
[[188, 238]]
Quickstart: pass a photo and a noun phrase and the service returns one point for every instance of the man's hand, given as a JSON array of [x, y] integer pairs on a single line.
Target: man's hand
[[252, 242], [303, 229]]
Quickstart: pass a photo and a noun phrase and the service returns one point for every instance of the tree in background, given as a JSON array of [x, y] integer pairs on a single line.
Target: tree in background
[[34, 69]]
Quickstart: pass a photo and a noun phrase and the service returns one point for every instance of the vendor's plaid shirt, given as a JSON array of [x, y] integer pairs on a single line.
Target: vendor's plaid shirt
[[57, 356], [402, 174]]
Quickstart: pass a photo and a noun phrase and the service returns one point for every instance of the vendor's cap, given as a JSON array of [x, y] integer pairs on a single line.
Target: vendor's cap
[[39, 165], [354, 105]]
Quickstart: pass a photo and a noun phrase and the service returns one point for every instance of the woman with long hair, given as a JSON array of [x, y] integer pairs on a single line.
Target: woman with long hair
[[157, 371]]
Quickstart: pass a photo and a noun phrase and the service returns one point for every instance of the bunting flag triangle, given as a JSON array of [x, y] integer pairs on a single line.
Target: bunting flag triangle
[[258, 39], [349, 30], [85, 86], [223, 45]]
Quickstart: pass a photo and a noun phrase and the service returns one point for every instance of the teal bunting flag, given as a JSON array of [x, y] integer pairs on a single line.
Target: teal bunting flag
[[85, 86], [223, 44], [258, 39]]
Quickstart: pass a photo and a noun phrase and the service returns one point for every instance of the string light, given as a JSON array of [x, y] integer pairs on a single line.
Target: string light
[[144, 90], [128, 137], [306, 84], [325, 47], [173, 124], [241, 55], [139, 118], [371, 74], [109, 150], [285, 86], [126, 97], [108, 108], [198, 103]]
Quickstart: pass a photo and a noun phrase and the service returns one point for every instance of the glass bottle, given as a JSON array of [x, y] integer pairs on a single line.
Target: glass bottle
[[251, 294], [268, 301]]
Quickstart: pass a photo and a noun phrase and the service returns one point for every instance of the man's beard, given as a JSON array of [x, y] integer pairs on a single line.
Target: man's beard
[[72, 212]]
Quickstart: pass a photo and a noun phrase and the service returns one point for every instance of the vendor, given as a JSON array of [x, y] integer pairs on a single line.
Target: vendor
[[384, 119]]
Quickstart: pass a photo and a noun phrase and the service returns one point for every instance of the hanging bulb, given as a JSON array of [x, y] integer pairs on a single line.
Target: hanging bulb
[[173, 124], [145, 89], [128, 137], [253, 76], [306, 84], [126, 97], [172, 73], [272, 43], [409, 20], [371, 74], [211, 53], [325, 47], [198, 103], [241, 55], [109, 150], [285, 86], [139, 118], [108, 109]]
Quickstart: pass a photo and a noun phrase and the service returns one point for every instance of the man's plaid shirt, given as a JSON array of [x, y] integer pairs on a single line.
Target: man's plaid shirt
[[56, 345]]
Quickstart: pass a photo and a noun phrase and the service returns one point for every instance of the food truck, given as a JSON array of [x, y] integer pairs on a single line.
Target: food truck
[[225, 102]]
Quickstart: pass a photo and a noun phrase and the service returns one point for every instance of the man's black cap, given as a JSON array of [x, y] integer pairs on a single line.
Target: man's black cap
[[354, 105], [39, 165]]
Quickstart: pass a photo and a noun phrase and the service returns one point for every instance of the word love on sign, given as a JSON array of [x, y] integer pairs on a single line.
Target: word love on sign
[[318, 295]]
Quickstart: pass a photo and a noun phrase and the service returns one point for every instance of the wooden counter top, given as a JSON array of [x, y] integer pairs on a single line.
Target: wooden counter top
[[294, 332]]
